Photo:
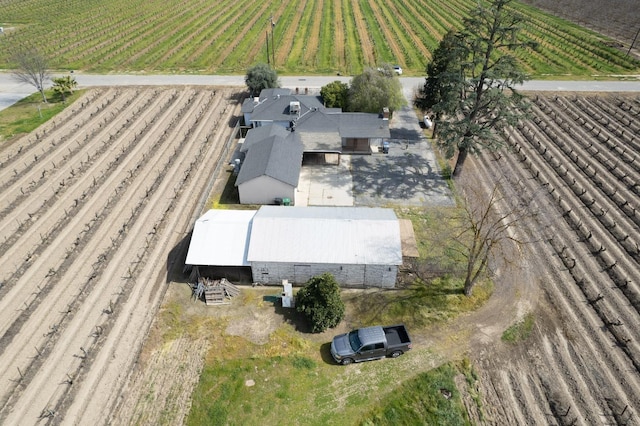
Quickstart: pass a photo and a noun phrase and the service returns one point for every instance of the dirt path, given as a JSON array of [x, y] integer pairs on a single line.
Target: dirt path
[[368, 54]]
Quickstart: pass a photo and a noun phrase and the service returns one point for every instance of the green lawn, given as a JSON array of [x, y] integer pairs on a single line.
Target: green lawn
[[29, 113]]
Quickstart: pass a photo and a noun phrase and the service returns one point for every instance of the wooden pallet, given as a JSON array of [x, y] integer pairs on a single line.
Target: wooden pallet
[[216, 292]]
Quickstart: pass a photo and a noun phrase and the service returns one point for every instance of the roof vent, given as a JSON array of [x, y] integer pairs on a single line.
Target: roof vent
[[294, 107], [256, 100]]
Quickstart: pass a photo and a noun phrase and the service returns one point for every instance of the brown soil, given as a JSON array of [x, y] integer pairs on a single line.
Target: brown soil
[[368, 55], [573, 163], [95, 208], [618, 19]]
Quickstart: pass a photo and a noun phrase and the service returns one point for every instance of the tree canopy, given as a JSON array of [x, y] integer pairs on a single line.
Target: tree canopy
[[335, 94], [320, 303], [31, 67], [376, 89], [261, 76], [439, 85], [64, 85], [472, 84]]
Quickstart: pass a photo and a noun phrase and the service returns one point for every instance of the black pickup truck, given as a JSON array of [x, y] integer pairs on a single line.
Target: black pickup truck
[[370, 343]]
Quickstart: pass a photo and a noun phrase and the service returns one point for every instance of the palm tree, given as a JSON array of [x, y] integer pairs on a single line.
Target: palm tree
[[64, 85]]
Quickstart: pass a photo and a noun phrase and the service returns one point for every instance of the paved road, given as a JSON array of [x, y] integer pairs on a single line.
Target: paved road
[[10, 91]]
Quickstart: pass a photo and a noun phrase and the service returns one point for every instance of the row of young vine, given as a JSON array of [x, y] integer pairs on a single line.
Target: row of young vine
[[227, 36]]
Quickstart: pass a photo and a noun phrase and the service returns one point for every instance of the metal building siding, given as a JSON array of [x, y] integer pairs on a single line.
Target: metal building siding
[[347, 275]]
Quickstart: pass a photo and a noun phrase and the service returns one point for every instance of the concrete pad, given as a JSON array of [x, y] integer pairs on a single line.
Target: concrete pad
[[407, 176], [326, 185], [304, 182]]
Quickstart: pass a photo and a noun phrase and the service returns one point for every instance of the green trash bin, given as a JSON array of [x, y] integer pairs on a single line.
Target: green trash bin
[[286, 201]]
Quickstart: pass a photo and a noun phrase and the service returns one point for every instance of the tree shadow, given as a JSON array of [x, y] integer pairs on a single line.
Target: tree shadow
[[293, 317], [404, 175]]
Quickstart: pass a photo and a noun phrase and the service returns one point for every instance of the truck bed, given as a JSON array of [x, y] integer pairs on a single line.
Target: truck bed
[[397, 335]]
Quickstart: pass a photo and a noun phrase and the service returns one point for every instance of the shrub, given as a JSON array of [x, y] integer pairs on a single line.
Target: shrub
[[320, 303], [261, 76], [335, 94]]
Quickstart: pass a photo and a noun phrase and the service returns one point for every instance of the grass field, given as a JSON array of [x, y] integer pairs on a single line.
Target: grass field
[[310, 36], [30, 112]]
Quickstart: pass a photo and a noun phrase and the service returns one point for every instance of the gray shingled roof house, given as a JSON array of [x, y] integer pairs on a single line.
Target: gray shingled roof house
[[270, 170], [284, 128], [259, 134], [323, 129]]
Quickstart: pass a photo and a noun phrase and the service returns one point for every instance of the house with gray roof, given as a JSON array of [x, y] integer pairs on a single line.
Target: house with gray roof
[[259, 134], [287, 129], [271, 169], [324, 130]]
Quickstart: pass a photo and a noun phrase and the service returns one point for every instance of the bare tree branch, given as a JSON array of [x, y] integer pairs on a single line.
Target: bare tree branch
[[31, 68], [490, 221]]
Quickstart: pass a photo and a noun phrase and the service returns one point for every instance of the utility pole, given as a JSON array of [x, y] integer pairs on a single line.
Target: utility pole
[[268, 58], [633, 42], [273, 43]]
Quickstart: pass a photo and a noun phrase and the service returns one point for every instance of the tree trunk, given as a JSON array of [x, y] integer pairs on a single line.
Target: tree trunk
[[468, 287], [462, 156], [44, 97]]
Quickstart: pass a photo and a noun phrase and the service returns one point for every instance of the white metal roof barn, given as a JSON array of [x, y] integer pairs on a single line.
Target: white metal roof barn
[[360, 246], [326, 235]]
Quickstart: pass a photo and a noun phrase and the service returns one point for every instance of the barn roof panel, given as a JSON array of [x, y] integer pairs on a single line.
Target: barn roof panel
[[221, 238], [336, 235]]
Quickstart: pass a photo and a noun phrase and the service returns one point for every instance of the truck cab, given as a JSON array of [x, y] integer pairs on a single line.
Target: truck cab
[[370, 343]]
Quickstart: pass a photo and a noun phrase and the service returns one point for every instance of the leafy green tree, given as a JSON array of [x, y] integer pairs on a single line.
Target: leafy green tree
[[375, 89], [261, 76], [320, 303], [335, 94], [440, 82], [64, 85], [31, 67], [478, 85]]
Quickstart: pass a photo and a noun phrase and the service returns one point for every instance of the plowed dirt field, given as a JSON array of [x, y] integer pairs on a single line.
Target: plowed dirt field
[[94, 206], [576, 163]]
